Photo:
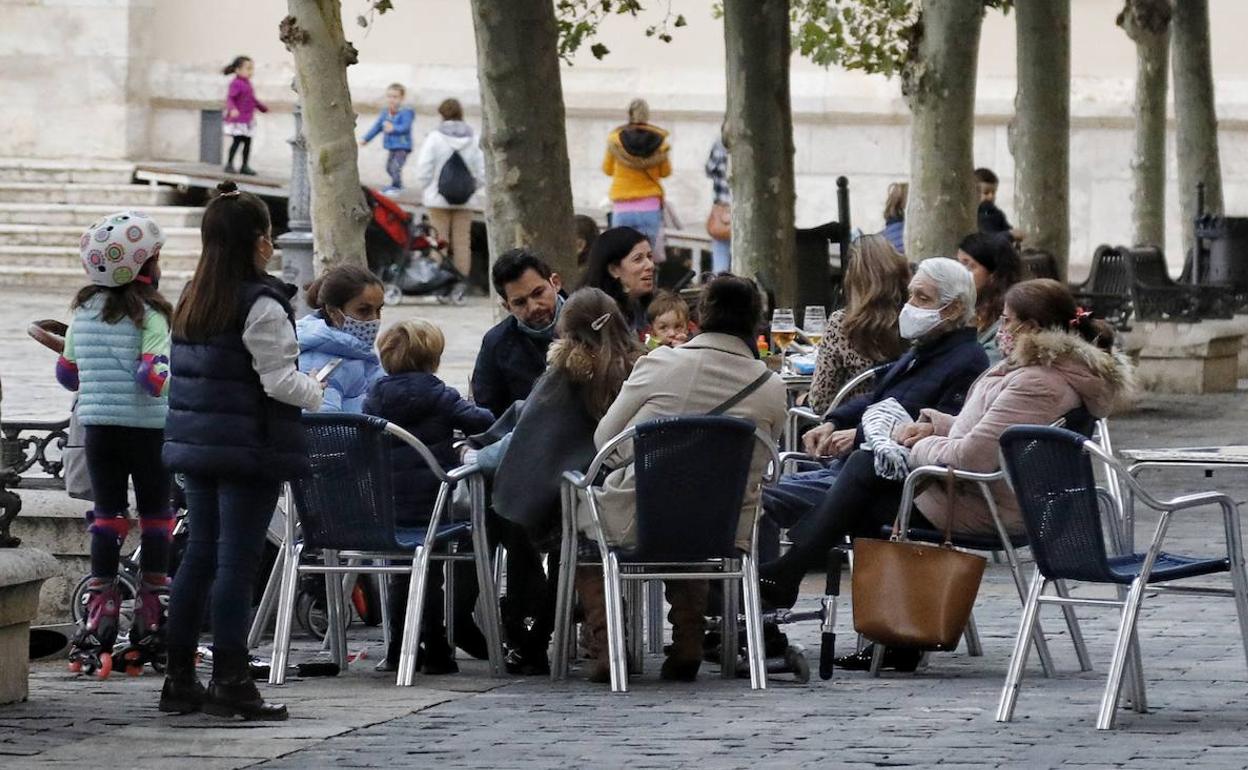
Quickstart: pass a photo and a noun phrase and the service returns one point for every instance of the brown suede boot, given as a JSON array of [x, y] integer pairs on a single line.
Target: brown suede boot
[[594, 604], [688, 619]]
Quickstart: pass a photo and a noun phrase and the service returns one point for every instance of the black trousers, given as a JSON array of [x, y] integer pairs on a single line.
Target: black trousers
[[245, 143], [858, 504], [115, 455]]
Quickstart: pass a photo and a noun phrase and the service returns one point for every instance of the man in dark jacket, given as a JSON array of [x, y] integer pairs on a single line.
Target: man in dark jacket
[[513, 353], [935, 373]]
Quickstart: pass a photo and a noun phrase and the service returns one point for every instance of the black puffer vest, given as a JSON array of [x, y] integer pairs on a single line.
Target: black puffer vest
[[221, 423]]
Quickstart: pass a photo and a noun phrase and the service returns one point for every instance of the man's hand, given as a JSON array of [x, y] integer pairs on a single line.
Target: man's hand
[[826, 441], [909, 434]]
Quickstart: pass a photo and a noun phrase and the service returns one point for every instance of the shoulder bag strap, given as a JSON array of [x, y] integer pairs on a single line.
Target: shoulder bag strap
[[741, 394]]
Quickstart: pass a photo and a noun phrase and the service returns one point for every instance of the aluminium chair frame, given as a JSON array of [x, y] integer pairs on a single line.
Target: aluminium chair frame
[[577, 485], [292, 550], [1125, 644], [802, 415], [981, 481]]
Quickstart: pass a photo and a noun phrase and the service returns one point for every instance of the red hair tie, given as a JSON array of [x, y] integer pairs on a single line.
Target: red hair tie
[[1080, 315]]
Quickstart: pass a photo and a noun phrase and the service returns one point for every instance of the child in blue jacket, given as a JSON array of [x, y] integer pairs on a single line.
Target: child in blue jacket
[[396, 123], [347, 301], [412, 397], [116, 357]]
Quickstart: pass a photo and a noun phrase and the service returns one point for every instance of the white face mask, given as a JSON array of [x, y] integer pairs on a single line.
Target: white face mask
[[916, 322]]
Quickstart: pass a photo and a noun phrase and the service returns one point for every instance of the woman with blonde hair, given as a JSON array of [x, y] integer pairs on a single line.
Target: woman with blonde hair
[[864, 333]]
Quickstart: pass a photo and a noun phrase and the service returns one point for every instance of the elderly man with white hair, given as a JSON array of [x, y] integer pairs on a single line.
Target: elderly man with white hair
[[820, 507]]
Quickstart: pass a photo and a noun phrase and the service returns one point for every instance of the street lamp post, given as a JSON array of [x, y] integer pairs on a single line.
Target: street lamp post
[[296, 243]]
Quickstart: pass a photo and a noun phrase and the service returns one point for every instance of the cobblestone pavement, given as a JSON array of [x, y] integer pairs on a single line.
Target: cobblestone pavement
[[942, 715]]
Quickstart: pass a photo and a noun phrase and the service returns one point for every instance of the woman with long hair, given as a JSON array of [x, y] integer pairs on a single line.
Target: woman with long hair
[[621, 263], [864, 333], [995, 266], [234, 430], [588, 363]]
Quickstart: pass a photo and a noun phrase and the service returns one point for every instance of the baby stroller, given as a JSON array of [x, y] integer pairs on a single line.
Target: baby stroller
[[408, 256]]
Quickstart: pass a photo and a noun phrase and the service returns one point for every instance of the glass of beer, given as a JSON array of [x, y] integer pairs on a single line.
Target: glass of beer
[[783, 332], [814, 321]]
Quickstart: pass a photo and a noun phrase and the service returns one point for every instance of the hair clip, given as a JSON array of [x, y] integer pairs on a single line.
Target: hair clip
[[600, 322], [230, 194], [1080, 315]]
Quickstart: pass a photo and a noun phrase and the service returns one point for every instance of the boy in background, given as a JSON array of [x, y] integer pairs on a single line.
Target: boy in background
[[396, 123], [991, 218]]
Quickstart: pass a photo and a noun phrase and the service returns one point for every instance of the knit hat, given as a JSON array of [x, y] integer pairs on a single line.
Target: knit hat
[[115, 248]]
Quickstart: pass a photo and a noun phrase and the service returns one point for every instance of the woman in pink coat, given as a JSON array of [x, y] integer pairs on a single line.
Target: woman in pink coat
[[1057, 358]]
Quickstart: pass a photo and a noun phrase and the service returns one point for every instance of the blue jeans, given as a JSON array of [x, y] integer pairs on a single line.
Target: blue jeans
[[648, 223], [789, 502], [227, 520], [394, 167], [721, 256]]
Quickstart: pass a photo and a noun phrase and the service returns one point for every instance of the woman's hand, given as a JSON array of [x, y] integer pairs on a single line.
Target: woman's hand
[[911, 433]]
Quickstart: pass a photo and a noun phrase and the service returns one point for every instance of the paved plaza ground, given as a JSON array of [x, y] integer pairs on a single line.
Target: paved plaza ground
[[943, 715]]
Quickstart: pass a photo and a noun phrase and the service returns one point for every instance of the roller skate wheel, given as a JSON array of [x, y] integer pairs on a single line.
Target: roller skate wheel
[[106, 665], [75, 666]]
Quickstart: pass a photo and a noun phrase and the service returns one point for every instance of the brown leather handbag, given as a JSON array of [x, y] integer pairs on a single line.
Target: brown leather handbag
[[915, 595], [719, 222]]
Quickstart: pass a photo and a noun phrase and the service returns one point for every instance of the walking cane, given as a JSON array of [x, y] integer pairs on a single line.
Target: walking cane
[[827, 650]]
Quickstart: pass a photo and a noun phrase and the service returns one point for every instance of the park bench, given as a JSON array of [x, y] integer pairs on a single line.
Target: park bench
[[1158, 297]]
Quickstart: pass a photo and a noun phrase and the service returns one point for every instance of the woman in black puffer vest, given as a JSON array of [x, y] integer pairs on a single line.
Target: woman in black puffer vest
[[234, 430]]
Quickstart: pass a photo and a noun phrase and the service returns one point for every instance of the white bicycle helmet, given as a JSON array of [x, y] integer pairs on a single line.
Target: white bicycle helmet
[[116, 247]]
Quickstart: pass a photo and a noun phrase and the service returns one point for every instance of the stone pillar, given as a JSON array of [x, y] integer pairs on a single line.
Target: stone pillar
[[22, 572], [297, 265], [65, 61]]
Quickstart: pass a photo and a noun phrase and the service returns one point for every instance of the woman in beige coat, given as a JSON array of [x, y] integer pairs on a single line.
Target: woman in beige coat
[[1057, 358], [693, 379]]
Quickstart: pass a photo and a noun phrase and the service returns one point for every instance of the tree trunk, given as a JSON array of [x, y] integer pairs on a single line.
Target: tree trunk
[[1040, 131], [524, 133], [1197, 121], [1147, 22], [760, 134], [313, 33], [940, 89]]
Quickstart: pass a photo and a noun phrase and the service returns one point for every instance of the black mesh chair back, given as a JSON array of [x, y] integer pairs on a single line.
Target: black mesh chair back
[[691, 475], [1110, 273], [1056, 490], [346, 502], [1149, 264]]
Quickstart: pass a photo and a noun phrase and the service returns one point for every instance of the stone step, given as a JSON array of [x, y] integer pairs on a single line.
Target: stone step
[[81, 215], [65, 171], [115, 195], [68, 235], [68, 256]]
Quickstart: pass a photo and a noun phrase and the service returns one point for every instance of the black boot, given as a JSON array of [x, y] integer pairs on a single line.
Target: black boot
[[438, 656], [182, 693], [232, 692], [896, 658]]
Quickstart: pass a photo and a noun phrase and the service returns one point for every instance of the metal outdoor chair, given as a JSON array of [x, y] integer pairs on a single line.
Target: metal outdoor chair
[[691, 474], [1051, 472], [800, 416], [344, 509], [1108, 288]]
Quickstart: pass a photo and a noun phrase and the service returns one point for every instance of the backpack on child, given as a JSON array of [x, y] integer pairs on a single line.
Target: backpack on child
[[455, 182]]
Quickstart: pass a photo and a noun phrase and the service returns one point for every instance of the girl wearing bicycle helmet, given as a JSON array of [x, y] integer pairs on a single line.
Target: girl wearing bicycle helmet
[[117, 357]]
